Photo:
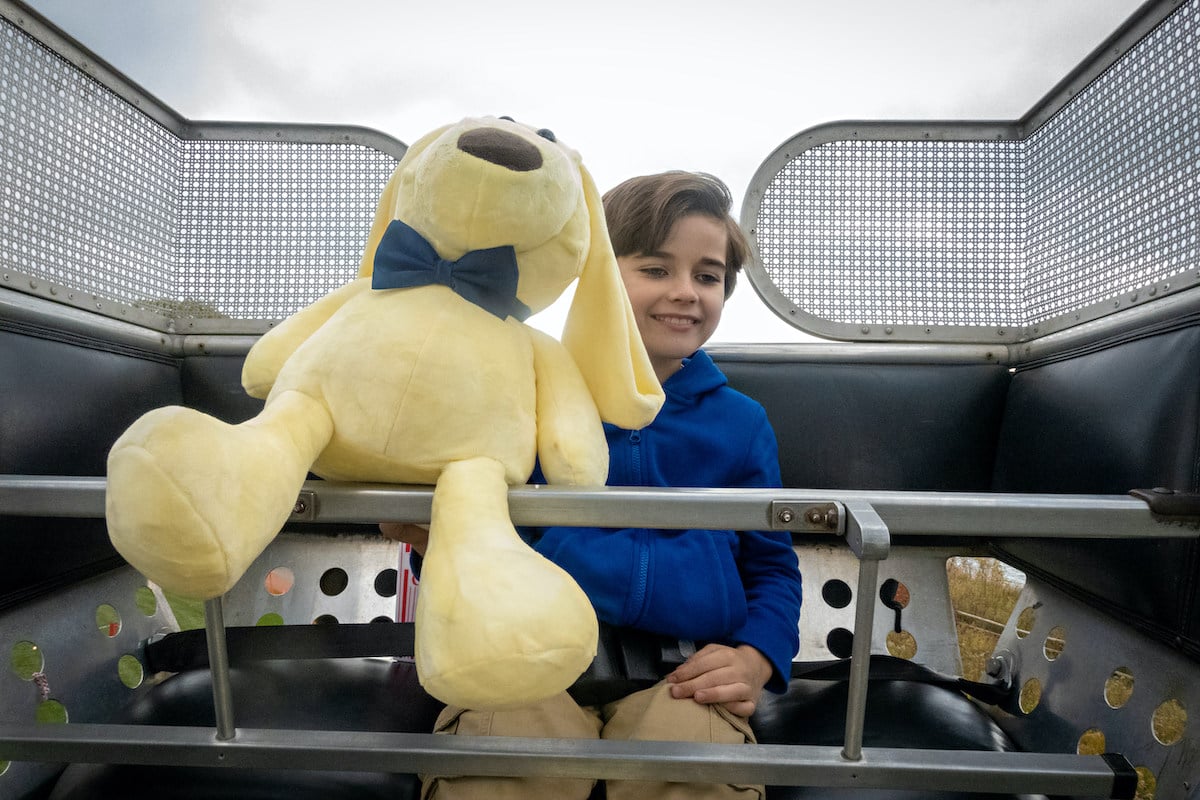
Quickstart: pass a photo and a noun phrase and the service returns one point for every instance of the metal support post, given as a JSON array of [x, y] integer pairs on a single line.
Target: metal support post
[[218, 660], [867, 535]]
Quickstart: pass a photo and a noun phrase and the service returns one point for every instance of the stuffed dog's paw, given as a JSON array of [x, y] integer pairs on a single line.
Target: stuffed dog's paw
[[192, 500], [498, 625]]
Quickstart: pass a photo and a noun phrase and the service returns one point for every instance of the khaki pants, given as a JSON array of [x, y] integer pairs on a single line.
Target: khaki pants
[[651, 714]]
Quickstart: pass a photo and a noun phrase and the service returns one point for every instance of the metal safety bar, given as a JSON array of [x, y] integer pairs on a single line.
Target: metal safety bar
[[867, 520], [919, 514], [773, 765]]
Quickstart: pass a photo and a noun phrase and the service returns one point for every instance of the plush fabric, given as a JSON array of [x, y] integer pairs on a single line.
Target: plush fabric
[[422, 385]]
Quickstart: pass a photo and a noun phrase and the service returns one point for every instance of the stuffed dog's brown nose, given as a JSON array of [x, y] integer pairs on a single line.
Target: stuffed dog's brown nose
[[501, 148]]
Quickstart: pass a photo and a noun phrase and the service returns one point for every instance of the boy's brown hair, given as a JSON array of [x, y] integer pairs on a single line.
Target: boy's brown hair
[[641, 212]]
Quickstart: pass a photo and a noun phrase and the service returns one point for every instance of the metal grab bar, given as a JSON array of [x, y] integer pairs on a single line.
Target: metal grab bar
[[965, 514], [776, 765]]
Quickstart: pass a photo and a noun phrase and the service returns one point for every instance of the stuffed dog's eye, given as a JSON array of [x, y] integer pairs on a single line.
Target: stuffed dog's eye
[[548, 134]]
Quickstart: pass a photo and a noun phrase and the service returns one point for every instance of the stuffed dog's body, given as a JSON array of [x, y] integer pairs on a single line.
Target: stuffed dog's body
[[422, 385]]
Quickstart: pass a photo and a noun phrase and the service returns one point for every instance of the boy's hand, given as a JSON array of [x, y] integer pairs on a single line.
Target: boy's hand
[[415, 535], [731, 676]]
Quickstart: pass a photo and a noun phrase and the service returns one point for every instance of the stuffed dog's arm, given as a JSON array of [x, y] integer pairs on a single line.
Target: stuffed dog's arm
[[570, 439], [276, 346]]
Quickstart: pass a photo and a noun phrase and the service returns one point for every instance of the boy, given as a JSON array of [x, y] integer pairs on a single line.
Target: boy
[[679, 251]]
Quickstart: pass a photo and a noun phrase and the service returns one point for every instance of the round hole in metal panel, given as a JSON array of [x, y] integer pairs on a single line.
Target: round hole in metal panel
[[269, 619], [1031, 695], [836, 593], [108, 620], [1147, 785], [326, 619], [26, 660], [334, 581], [1025, 621], [383, 620], [894, 594], [130, 671], [51, 711], [145, 601], [902, 644], [385, 583], [1092, 743], [840, 642], [1168, 722], [1119, 687], [1056, 640], [279, 581]]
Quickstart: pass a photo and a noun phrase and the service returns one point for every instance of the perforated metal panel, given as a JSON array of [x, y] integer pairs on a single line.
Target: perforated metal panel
[[105, 204], [1112, 185], [988, 231], [904, 232], [266, 228]]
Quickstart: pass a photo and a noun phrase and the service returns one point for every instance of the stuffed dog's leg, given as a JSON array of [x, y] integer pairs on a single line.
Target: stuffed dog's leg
[[192, 500], [497, 624]]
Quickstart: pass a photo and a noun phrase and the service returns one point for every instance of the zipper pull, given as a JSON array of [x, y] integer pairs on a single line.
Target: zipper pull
[[635, 437]]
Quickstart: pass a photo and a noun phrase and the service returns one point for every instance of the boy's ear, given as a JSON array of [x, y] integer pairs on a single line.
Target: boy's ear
[[602, 335]]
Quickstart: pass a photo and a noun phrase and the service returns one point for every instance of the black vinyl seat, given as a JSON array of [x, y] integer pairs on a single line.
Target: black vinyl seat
[[371, 694]]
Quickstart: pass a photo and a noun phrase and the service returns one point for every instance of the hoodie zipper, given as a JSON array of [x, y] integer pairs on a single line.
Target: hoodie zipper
[[637, 599], [635, 456]]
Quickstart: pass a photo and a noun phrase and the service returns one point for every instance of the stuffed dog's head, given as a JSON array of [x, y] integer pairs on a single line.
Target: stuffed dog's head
[[488, 182]]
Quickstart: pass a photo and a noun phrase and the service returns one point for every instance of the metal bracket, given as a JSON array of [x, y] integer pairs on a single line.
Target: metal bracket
[[807, 517]]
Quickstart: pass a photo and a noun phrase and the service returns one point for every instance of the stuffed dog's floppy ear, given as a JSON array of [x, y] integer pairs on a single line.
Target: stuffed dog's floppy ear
[[602, 335]]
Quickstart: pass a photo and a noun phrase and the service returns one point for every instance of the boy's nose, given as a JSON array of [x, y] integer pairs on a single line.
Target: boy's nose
[[683, 290]]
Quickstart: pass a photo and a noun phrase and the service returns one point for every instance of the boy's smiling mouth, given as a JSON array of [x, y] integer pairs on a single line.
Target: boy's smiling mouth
[[675, 321]]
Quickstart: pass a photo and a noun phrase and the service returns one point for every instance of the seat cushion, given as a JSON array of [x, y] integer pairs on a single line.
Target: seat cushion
[[343, 694], [900, 714]]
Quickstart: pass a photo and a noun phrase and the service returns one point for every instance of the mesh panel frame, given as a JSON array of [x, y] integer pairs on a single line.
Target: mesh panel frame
[[190, 226], [980, 232]]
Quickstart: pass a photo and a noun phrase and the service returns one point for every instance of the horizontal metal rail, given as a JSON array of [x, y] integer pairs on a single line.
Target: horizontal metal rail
[[904, 513], [776, 765]]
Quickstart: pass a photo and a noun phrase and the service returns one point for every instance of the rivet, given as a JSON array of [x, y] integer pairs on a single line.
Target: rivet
[[53, 290], [785, 515], [300, 507], [888, 330], [33, 284], [865, 329]]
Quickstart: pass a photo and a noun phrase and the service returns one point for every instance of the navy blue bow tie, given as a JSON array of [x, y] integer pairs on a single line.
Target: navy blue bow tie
[[488, 278]]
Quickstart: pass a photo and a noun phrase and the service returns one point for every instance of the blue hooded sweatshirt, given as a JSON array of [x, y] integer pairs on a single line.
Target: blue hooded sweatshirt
[[714, 586]]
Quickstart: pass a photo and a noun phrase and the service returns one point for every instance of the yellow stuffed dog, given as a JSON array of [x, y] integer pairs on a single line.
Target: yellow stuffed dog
[[421, 371]]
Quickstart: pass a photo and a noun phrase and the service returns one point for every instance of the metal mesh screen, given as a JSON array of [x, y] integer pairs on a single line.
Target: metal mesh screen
[[90, 185], [266, 228], [1095, 210], [101, 198], [1112, 180], [871, 232]]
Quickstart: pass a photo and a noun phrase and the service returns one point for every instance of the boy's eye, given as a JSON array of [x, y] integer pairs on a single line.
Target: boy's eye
[[707, 277], [654, 272]]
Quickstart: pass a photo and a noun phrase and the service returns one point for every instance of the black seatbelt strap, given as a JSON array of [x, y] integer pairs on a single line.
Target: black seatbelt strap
[[616, 665]]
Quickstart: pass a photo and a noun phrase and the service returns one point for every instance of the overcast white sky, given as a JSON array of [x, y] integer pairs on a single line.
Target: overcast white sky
[[636, 86]]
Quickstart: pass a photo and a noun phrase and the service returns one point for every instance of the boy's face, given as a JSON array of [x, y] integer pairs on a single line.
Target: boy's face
[[678, 293]]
